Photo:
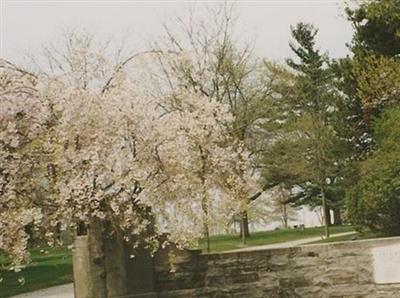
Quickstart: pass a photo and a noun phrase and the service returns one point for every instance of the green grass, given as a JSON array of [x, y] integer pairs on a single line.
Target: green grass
[[44, 271], [228, 242]]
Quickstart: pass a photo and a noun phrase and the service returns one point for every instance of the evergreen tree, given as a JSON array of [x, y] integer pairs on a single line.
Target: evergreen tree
[[307, 150]]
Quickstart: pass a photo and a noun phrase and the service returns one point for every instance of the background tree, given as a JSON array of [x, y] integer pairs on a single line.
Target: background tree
[[273, 207], [369, 81], [374, 202], [376, 25], [207, 60], [375, 46], [197, 162], [307, 150]]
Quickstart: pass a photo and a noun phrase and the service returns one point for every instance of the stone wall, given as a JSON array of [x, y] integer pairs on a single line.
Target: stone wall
[[343, 269]]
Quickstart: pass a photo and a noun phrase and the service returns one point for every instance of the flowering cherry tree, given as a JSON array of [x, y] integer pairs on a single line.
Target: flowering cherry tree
[[87, 141], [199, 164], [207, 60], [23, 118]]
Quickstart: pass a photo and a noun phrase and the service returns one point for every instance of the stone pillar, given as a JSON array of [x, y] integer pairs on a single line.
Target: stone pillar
[[89, 264], [81, 267]]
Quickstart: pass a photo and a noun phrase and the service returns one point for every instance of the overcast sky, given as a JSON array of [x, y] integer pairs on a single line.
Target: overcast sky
[[28, 24]]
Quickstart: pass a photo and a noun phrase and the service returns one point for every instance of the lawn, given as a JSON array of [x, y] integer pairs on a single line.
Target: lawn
[[45, 270], [228, 242]]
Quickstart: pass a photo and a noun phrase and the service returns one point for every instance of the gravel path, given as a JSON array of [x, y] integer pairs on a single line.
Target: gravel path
[[289, 243]]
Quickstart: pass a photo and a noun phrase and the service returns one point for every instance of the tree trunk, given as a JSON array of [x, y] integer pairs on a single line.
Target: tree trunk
[[327, 214], [285, 216], [337, 218], [242, 228], [207, 236], [244, 225], [206, 223]]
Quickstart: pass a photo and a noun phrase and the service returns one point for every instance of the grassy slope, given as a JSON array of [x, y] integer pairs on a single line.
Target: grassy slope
[[227, 242], [46, 270]]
